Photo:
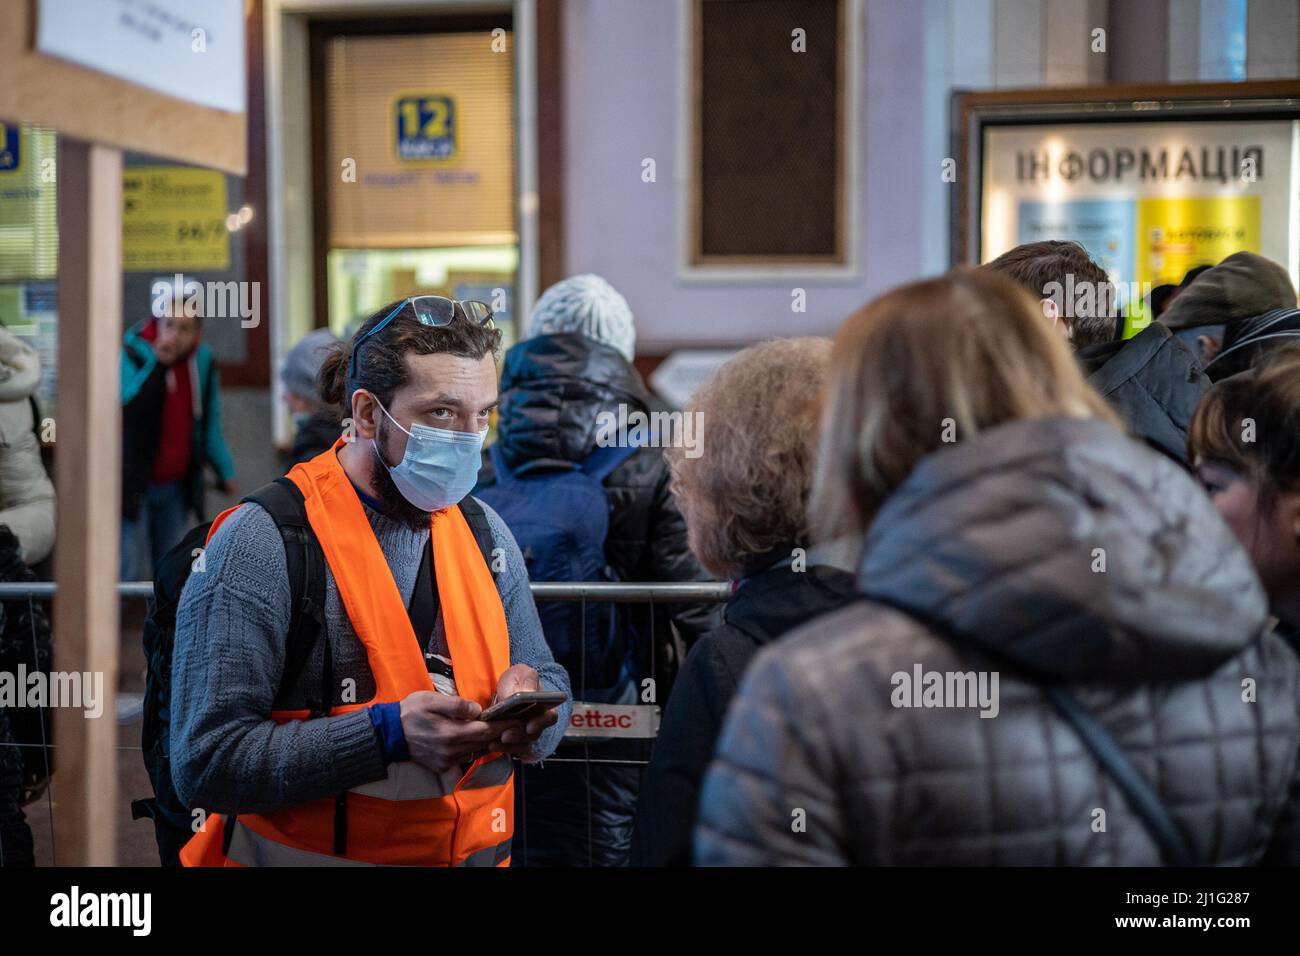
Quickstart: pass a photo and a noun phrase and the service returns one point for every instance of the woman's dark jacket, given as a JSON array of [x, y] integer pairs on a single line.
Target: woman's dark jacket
[[316, 434], [765, 607]]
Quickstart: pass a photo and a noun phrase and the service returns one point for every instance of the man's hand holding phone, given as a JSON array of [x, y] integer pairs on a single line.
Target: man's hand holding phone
[[442, 731], [517, 741]]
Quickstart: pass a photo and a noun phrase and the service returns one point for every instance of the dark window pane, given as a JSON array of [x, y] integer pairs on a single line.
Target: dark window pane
[[769, 130]]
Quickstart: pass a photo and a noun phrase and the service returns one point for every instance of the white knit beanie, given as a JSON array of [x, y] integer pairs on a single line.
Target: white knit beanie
[[589, 305]]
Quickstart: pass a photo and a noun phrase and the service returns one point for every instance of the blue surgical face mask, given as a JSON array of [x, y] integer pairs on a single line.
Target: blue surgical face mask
[[440, 465]]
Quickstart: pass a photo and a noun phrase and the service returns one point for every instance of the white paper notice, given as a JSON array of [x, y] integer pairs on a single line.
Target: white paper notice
[[683, 372], [189, 49]]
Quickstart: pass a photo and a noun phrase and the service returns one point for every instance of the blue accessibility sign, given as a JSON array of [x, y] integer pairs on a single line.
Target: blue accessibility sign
[[11, 147]]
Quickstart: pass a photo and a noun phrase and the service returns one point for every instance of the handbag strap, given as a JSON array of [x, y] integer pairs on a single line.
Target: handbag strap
[[1175, 848]]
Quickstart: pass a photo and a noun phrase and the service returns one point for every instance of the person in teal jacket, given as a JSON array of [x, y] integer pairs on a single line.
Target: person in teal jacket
[[171, 432]]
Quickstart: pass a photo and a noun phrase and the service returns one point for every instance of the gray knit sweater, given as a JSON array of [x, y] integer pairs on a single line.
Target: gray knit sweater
[[228, 756]]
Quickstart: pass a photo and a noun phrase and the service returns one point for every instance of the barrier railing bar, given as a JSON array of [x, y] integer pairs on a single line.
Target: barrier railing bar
[[617, 592], [612, 592]]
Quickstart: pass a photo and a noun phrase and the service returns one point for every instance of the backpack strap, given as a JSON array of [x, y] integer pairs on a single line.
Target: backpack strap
[[477, 520], [422, 609], [600, 464], [503, 475], [283, 501], [36, 418], [1175, 849]]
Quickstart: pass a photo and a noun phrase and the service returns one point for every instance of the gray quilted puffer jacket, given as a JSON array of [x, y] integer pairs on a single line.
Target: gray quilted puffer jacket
[[1001, 538]]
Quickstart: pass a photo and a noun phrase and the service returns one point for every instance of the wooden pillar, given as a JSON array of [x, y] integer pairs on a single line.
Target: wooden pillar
[[88, 480], [550, 146]]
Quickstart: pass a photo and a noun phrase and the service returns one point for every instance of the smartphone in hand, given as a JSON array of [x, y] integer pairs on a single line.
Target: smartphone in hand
[[524, 705]]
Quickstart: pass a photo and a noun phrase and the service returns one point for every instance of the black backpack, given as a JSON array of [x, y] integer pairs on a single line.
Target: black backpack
[[281, 499], [560, 518]]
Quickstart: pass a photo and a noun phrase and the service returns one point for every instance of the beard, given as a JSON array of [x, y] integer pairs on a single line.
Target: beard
[[395, 504]]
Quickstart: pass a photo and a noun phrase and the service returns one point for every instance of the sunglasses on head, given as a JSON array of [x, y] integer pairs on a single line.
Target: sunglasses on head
[[431, 310]]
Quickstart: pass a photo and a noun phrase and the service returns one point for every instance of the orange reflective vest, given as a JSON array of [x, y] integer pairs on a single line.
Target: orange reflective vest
[[414, 816]]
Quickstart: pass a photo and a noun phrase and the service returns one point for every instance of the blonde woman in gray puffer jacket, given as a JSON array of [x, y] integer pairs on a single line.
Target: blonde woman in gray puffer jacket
[[1014, 545], [26, 492]]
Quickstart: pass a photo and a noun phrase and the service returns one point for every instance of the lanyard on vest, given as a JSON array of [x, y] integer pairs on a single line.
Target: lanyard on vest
[[423, 612]]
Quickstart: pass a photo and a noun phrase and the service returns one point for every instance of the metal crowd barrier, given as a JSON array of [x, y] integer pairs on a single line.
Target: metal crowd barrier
[[650, 594], [619, 593]]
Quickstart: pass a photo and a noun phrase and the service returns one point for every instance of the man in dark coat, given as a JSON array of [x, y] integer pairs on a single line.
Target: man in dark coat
[[554, 387], [1247, 341], [1242, 286], [1153, 379]]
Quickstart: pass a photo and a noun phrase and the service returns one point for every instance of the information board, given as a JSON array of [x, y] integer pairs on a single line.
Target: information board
[[1149, 201]]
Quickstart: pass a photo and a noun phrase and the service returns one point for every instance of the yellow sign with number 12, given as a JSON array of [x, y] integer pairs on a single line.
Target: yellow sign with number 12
[[424, 128]]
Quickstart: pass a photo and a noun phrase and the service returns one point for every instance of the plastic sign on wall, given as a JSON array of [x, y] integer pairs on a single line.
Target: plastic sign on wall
[[174, 219], [613, 720], [1148, 200], [424, 128], [11, 147]]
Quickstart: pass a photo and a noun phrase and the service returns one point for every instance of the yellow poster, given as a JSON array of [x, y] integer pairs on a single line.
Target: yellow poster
[[174, 219], [1175, 235], [29, 230]]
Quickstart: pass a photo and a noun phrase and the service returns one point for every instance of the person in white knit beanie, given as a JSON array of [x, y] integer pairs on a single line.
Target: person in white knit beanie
[[589, 305]]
